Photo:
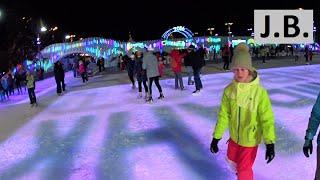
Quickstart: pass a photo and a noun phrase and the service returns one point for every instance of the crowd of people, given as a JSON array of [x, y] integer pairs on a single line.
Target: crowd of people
[[12, 83], [147, 66]]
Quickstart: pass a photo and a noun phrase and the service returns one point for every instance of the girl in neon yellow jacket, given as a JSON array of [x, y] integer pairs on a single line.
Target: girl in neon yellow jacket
[[246, 111]]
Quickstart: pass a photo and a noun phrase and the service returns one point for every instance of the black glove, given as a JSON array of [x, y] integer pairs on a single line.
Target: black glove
[[214, 145], [270, 152], [307, 147]]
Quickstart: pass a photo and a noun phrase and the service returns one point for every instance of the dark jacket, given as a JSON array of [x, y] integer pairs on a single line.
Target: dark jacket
[[189, 58], [130, 66], [198, 60], [58, 71], [140, 72]]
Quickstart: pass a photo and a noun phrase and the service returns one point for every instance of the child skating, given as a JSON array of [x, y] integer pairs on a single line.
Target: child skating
[[246, 111]]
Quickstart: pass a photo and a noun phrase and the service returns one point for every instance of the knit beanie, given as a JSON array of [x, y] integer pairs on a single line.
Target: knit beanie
[[241, 57]]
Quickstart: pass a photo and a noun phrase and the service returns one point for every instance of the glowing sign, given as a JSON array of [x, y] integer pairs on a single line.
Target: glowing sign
[[213, 40], [179, 29], [174, 43], [236, 42], [135, 45]]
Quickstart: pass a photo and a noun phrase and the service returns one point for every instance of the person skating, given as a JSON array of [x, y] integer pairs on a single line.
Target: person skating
[[129, 64], [100, 64], [187, 63], [197, 63], [83, 71], [226, 57], [2, 95], [31, 88], [17, 80], [59, 77], [141, 74], [176, 63], [313, 125], [246, 110], [150, 64], [5, 85]]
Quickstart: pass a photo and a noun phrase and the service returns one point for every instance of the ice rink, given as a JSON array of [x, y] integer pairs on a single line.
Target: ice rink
[[108, 133]]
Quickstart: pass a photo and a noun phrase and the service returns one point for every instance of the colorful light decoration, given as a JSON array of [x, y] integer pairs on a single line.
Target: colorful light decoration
[[107, 48], [251, 42], [237, 41], [179, 29], [213, 40], [180, 44], [96, 47]]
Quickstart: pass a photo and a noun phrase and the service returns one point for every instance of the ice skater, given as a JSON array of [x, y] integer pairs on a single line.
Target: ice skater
[[313, 125], [31, 89], [141, 74], [176, 66], [59, 77], [246, 110], [150, 64]]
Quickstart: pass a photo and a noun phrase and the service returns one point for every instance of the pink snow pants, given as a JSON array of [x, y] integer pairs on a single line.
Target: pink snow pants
[[242, 158]]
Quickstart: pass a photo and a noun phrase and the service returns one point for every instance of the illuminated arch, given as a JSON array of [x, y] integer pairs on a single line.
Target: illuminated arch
[[179, 29], [95, 47]]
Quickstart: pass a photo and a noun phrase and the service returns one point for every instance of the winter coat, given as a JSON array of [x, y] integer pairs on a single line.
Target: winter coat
[[150, 63], [226, 52], [198, 60], [189, 58], [10, 80], [4, 83], [314, 121], [140, 72], [30, 81], [58, 71], [82, 68], [130, 67], [246, 110], [176, 61]]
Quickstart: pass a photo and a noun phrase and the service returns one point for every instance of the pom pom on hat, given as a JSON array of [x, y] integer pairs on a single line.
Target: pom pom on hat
[[242, 47], [242, 57]]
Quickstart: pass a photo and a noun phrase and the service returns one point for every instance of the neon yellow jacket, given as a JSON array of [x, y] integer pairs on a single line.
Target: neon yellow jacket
[[246, 110]]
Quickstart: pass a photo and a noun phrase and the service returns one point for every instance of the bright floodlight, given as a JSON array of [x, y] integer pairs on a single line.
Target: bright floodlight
[[43, 29], [68, 36], [55, 28]]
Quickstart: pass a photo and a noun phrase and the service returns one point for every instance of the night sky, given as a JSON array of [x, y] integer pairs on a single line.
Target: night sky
[[148, 19]]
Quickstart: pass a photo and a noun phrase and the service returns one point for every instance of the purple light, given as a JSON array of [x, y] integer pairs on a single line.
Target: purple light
[[149, 141]]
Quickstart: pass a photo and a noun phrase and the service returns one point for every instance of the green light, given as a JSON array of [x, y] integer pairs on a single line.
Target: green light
[[214, 40], [251, 42]]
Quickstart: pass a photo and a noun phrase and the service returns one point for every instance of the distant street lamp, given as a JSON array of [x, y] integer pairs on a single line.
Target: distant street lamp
[[251, 31], [70, 37], [54, 29], [210, 30], [43, 29], [229, 24]]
